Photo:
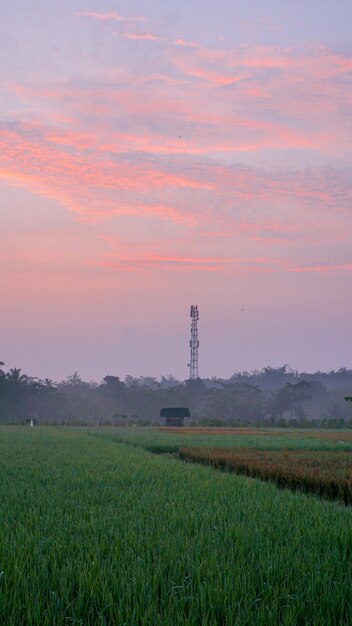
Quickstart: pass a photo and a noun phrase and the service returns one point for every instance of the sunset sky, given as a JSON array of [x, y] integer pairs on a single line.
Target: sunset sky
[[156, 154]]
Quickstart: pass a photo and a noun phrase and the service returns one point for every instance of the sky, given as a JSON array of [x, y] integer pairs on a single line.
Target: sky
[[159, 154]]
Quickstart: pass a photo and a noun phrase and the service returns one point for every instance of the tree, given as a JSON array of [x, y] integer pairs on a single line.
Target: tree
[[288, 399], [238, 402], [15, 377]]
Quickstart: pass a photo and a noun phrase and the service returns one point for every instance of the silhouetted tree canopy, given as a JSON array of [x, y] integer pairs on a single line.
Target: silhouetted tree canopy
[[268, 396]]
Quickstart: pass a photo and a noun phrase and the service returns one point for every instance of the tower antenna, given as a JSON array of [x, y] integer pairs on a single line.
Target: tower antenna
[[194, 343]]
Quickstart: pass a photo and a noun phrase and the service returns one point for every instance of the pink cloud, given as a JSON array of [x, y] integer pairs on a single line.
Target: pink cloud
[[19, 147], [186, 44], [323, 267], [92, 187], [139, 36], [291, 81], [179, 168], [186, 263], [70, 167], [167, 145], [103, 17], [296, 87]]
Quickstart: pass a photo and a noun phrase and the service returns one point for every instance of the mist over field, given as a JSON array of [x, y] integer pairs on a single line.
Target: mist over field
[[271, 396]]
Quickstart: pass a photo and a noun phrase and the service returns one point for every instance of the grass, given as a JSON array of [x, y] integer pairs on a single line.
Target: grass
[[95, 532], [327, 474], [171, 440]]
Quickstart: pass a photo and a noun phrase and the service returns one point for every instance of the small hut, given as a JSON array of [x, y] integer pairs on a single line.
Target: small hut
[[175, 415]]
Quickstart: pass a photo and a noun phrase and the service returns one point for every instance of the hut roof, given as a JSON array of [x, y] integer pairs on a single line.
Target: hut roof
[[175, 412]]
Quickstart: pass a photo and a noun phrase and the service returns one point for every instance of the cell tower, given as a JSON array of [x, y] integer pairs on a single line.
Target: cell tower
[[194, 343]]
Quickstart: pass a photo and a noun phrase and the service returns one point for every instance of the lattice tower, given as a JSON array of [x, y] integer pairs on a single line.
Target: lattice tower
[[194, 343]]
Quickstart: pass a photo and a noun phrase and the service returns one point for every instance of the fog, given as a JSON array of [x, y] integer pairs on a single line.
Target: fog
[[271, 396]]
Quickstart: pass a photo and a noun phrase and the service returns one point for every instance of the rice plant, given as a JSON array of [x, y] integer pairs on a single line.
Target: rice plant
[[95, 532], [327, 474]]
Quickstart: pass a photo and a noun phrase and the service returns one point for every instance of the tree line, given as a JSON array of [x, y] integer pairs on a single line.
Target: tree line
[[271, 396]]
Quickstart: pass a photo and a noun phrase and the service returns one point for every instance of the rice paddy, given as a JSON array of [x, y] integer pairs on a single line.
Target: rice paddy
[[327, 474], [172, 439], [95, 531]]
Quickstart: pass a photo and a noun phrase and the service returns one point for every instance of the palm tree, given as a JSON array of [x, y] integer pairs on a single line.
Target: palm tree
[[13, 390], [15, 377]]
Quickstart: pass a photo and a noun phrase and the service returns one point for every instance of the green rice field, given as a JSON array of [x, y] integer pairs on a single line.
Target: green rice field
[[97, 529]]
